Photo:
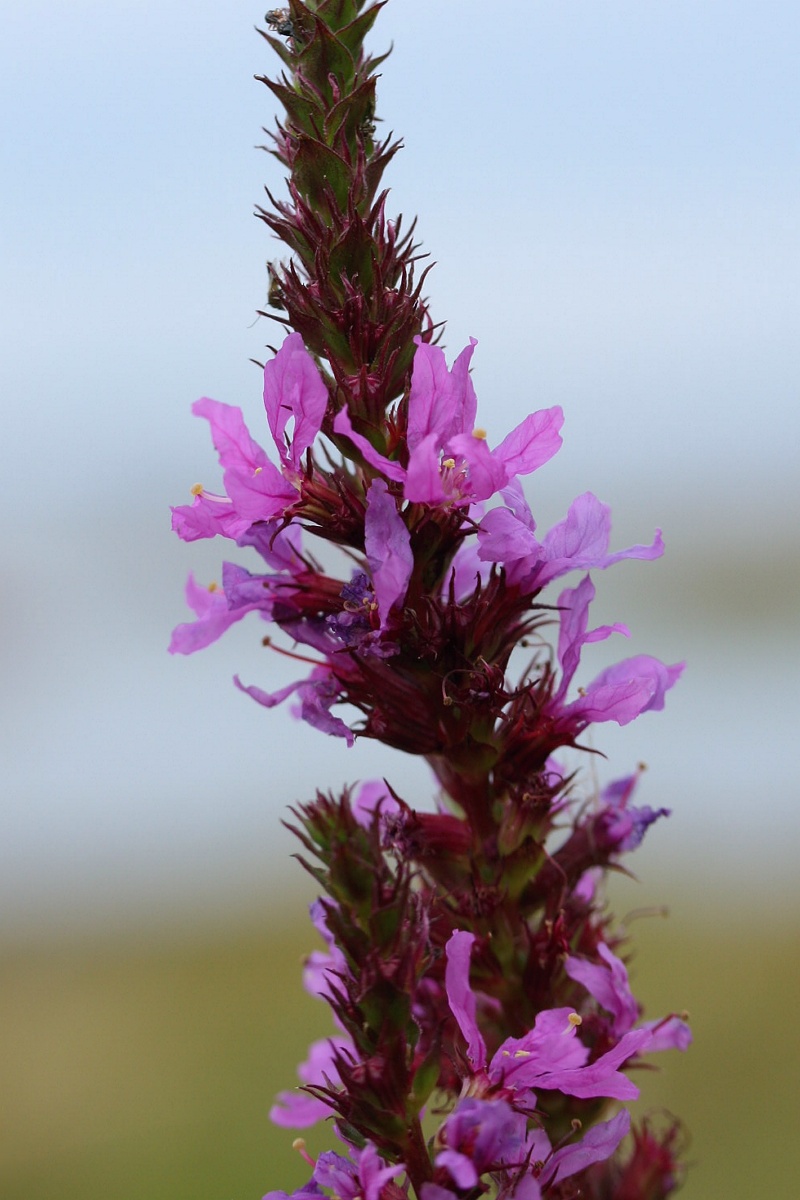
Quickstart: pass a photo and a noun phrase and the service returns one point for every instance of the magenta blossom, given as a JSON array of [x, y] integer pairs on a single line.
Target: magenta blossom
[[323, 968], [361, 1179], [449, 461], [550, 1056], [626, 825], [214, 616], [294, 392], [479, 1135], [257, 490], [488, 1136], [598, 1144], [621, 692], [316, 695], [579, 542], [373, 796], [573, 633], [298, 1109], [608, 983], [388, 547], [218, 608]]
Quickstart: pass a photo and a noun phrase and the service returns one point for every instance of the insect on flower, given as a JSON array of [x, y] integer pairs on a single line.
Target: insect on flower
[[280, 20], [275, 291]]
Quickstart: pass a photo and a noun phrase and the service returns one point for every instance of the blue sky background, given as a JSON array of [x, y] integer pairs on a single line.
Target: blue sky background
[[610, 193]]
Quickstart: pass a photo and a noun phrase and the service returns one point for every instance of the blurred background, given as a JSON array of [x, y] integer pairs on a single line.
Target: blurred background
[[610, 195]]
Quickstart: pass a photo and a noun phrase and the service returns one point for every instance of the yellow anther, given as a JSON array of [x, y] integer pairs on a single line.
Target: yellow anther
[[198, 489], [480, 434], [213, 587], [522, 1054], [258, 470], [574, 1020], [449, 463]]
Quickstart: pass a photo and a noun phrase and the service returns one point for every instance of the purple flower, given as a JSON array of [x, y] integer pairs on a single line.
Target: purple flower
[[478, 1135], [373, 796], [298, 1110], [217, 609], [621, 692], [323, 968], [388, 547], [609, 986], [294, 391], [214, 616], [625, 825], [573, 633], [278, 544], [361, 1179], [489, 1136], [256, 489], [550, 1056], [317, 694], [449, 461], [309, 1191], [579, 542], [598, 1144]]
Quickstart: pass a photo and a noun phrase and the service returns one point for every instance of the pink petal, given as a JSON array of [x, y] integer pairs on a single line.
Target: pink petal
[[388, 547], [293, 387], [392, 470], [533, 443], [461, 996], [440, 402]]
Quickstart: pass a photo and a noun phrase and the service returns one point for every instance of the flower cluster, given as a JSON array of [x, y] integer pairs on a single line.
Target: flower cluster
[[485, 1023]]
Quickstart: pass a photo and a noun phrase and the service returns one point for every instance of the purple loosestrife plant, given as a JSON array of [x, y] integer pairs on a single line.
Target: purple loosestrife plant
[[485, 1027]]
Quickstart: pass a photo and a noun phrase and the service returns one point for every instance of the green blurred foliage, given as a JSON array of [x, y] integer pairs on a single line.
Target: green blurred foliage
[[144, 1064]]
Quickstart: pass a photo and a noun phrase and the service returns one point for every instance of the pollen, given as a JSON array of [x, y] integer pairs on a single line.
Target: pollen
[[574, 1020], [213, 587], [258, 470], [449, 463], [198, 489], [480, 434]]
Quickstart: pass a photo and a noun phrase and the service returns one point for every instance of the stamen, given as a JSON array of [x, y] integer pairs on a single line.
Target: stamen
[[197, 490], [573, 1020], [213, 587], [299, 1144], [480, 434], [449, 463], [258, 470], [268, 644]]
